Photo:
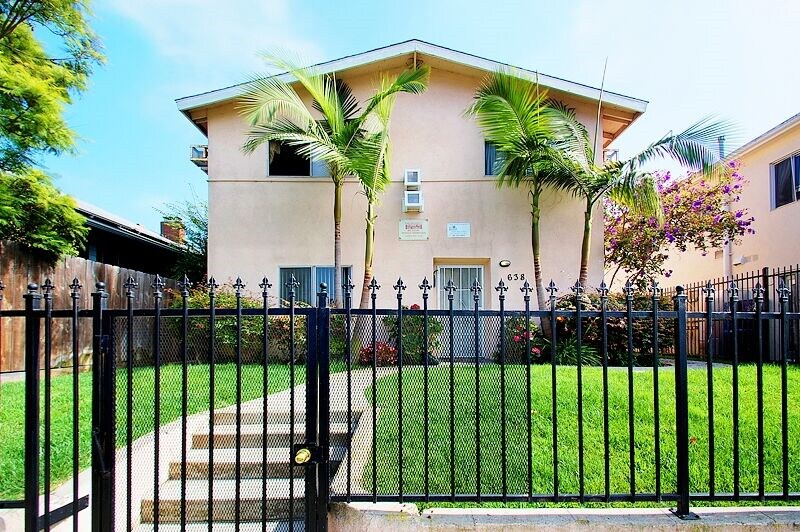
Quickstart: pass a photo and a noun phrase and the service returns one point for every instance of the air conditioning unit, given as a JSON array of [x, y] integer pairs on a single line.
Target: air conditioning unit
[[411, 179], [412, 201]]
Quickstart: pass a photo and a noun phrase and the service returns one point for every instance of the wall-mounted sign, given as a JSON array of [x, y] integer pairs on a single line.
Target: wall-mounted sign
[[413, 230], [458, 230]]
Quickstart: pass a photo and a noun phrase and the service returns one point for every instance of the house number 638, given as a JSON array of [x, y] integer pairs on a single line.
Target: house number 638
[[516, 276]]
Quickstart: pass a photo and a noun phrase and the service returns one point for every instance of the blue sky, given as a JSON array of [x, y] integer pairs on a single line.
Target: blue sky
[[732, 58]]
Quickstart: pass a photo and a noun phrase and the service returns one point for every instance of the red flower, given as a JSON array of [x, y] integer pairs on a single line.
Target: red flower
[[516, 338], [414, 307], [536, 351]]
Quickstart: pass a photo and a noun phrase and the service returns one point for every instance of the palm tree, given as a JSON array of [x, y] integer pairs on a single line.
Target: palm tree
[[515, 118], [341, 137], [626, 182]]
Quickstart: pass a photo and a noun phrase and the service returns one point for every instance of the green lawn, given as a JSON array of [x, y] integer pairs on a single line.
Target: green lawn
[[12, 408], [516, 425]]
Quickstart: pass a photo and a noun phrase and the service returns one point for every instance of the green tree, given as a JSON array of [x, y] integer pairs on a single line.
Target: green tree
[[192, 216], [627, 182], [37, 215], [347, 137], [515, 118], [35, 85]]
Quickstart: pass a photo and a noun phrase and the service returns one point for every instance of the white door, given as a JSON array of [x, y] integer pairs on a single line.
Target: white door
[[463, 278]]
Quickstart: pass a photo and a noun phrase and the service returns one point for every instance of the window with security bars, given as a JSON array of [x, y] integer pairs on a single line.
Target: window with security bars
[[308, 279], [786, 181]]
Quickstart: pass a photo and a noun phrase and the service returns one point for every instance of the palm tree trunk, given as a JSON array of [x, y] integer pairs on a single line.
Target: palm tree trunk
[[586, 247], [337, 242], [369, 252], [537, 259]]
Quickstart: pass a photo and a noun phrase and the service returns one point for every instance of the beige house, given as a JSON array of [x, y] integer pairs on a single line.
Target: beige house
[[442, 217], [771, 164]]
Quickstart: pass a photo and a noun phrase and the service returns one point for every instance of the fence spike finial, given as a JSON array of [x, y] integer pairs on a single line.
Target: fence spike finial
[[476, 290], [212, 286], [348, 286], [450, 288], [184, 284], [654, 289], [552, 289], [733, 291], [603, 290], [129, 286], [47, 288], [399, 286], [709, 290], [577, 288], [157, 285], [239, 286], [502, 288], [758, 292], [526, 289], [628, 289], [265, 285], [374, 287], [783, 290], [425, 287]]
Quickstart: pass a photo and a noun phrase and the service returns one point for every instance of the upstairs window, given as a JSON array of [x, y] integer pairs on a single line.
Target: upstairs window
[[283, 160], [492, 159], [786, 181]]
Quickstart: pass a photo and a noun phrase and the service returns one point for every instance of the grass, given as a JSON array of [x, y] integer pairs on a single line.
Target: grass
[[12, 408], [567, 416]]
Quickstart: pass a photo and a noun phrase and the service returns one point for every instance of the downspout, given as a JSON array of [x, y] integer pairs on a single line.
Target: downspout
[[727, 265]]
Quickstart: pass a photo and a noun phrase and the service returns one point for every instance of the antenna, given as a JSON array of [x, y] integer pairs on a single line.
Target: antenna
[[599, 107]]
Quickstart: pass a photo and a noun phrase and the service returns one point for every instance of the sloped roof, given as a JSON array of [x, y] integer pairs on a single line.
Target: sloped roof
[[766, 137], [628, 103]]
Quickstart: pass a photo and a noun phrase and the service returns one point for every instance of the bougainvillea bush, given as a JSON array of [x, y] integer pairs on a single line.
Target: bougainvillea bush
[[699, 214]]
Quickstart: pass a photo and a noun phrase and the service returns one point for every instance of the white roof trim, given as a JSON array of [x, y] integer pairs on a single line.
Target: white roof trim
[[766, 137], [636, 105]]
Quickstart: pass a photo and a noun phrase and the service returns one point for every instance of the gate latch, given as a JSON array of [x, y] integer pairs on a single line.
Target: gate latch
[[306, 454]]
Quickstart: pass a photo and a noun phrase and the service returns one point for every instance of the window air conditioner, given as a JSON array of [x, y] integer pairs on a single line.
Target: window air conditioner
[[412, 201], [411, 179]]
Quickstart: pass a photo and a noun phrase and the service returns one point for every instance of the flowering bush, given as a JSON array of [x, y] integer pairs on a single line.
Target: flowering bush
[[413, 335], [516, 335], [386, 354], [226, 334], [697, 212]]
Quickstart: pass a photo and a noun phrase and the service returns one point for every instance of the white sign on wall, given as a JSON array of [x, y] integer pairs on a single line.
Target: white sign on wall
[[413, 230], [458, 230]]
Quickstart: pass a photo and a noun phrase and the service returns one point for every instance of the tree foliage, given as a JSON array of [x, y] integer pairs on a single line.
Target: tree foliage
[[698, 213], [192, 215], [34, 213], [35, 84]]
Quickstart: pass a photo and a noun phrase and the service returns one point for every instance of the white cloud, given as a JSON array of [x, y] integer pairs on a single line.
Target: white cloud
[[219, 40]]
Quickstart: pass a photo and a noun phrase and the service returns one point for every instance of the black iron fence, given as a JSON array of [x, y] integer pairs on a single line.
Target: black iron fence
[[204, 411]]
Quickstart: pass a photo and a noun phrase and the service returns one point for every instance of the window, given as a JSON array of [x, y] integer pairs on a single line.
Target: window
[[285, 161], [786, 181], [309, 278], [492, 159]]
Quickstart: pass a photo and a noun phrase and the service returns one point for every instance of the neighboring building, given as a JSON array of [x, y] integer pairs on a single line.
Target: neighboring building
[[119, 242], [272, 215], [771, 165]]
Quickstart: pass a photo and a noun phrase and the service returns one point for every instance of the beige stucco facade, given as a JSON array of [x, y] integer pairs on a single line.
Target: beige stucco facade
[[776, 242], [260, 223]]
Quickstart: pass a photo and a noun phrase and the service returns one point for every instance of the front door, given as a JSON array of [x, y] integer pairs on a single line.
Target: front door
[[463, 278]]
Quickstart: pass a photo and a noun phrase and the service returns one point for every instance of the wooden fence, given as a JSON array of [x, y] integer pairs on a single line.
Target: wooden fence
[[18, 268]]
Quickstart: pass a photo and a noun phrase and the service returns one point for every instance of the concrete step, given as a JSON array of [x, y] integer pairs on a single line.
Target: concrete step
[[278, 459], [272, 526], [278, 435], [256, 417], [276, 501]]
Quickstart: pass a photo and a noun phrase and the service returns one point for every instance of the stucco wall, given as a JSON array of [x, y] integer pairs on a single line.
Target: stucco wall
[[776, 242], [259, 223]]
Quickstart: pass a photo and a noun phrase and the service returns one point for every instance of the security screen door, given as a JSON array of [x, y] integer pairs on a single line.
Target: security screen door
[[464, 326]]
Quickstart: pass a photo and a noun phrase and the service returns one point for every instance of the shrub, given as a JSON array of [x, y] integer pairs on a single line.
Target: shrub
[[413, 335], [516, 336], [567, 354], [279, 330], [617, 327], [386, 354]]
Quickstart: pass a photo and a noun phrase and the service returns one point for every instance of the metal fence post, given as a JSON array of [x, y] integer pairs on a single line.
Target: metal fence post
[[103, 414], [323, 361], [681, 406], [32, 328]]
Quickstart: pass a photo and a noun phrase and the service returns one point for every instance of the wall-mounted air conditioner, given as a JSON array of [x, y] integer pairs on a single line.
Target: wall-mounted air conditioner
[[411, 179], [412, 201]]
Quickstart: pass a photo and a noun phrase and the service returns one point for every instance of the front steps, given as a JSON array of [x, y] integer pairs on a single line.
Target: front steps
[[277, 503]]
